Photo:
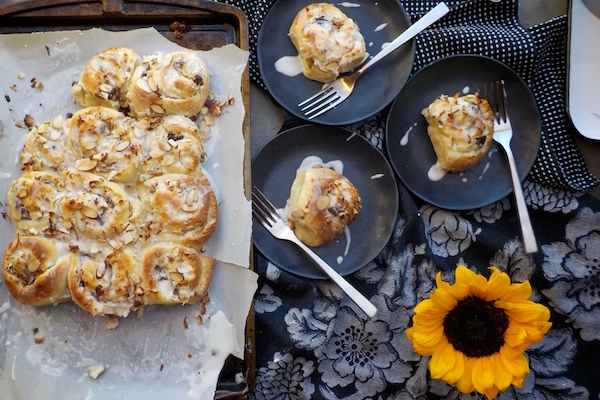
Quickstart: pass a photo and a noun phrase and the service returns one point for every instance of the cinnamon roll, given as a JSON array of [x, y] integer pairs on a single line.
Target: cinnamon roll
[[35, 271], [181, 209], [32, 203], [175, 274], [322, 202], [172, 83], [106, 77], [47, 146], [106, 284], [173, 145], [98, 208], [107, 144]]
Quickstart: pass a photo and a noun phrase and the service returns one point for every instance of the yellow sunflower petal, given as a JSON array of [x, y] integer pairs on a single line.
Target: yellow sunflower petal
[[428, 307], [482, 374], [498, 285], [465, 383], [514, 361], [442, 361], [515, 336], [457, 372], [524, 311], [427, 339], [463, 275], [502, 376], [478, 286], [518, 292], [443, 299], [459, 290]]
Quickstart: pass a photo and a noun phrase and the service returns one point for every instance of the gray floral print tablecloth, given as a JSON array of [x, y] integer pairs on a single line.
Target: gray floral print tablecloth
[[313, 343]]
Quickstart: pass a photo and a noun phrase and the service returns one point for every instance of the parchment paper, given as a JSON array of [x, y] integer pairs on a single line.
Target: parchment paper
[[165, 351]]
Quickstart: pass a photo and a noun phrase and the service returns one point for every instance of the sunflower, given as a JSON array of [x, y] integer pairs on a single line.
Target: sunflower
[[477, 330]]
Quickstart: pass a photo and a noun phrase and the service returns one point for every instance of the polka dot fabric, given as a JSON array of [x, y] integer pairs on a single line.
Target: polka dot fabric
[[490, 28]]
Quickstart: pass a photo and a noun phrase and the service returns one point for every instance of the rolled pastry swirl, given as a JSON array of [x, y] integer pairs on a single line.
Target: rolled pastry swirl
[[106, 77], [172, 83], [172, 145], [47, 146], [181, 209], [322, 202], [98, 208], [35, 272], [32, 203], [106, 284], [107, 143], [175, 274]]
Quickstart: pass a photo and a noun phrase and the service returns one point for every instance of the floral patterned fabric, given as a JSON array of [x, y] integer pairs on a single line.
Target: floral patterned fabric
[[312, 342]]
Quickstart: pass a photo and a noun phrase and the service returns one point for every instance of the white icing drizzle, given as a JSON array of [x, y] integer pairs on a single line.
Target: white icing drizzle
[[308, 162], [436, 173], [404, 140], [289, 66], [466, 90], [377, 176], [349, 5], [381, 27]]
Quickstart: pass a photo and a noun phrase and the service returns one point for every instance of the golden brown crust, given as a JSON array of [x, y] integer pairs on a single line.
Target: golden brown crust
[[166, 84], [181, 209], [322, 202], [175, 274], [328, 42], [47, 146], [461, 129], [35, 272], [106, 77], [106, 284]]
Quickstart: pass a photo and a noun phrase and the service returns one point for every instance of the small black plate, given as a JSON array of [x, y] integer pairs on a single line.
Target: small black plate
[[488, 181], [376, 88], [274, 169]]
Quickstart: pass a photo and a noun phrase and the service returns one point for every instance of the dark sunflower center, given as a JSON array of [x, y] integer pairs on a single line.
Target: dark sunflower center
[[475, 327]]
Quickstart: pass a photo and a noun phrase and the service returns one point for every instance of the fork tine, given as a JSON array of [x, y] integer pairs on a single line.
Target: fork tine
[[265, 207], [324, 90], [321, 101], [498, 99], [326, 108]]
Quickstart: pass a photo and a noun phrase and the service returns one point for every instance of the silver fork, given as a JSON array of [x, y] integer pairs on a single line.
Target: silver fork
[[267, 214], [503, 133], [335, 92]]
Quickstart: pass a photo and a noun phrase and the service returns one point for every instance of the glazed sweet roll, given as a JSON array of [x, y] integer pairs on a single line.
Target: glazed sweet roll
[[181, 209], [32, 203], [35, 271], [328, 42], [107, 143], [172, 83], [106, 77], [175, 274], [173, 145], [106, 284], [321, 203], [47, 146], [99, 209]]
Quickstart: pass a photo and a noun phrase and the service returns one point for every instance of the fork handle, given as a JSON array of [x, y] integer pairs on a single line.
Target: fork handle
[[350, 290], [529, 241], [432, 16]]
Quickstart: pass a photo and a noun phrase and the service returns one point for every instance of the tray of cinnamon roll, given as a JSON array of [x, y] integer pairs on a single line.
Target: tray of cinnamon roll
[[127, 221]]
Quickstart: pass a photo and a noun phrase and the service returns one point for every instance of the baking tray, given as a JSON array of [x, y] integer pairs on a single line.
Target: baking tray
[[195, 24]]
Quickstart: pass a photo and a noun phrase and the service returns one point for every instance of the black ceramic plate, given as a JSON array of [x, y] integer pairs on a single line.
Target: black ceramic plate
[[376, 88], [489, 180], [274, 169]]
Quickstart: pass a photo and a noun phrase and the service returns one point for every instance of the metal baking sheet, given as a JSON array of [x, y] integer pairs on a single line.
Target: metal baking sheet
[[197, 25]]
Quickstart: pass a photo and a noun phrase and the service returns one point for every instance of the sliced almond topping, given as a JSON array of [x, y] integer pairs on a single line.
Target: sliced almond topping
[[152, 84], [168, 161], [143, 84], [123, 145], [168, 58], [157, 108], [230, 99], [98, 156], [127, 238], [164, 146], [191, 197], [157, 153], [85, 164], [106, 88], [42, 128], [210, 120], [94, 249], [134, 278], [297, 214], [55, 135], [100, 269], [176, 276], [22, 193], [33, 265], [189, 207], [322, 203], [172, 143], [57, 122], [112, 322], [89, 212], [114, 244], [88, 144]]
